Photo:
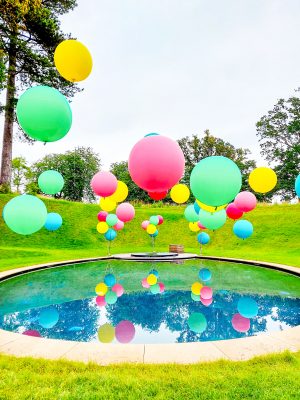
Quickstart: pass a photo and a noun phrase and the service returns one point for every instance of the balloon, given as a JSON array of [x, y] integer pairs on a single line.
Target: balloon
[[32, 332], [160, 219], [107, 204], [154, 234], [206, 302], [154, 272], [111, 219], [262, 179], [297, 186], [205, 274], [106, 333], [110, 235], [25, 214], [155, 289], [119, 226], [200, 225], [121, 193], [194, 227], [51, 182], [101, 289], [247, 307], [125, 331], [145, 283], [243, 229], [156, 163], [44, 114], [102, 227], [110, 280], [158, 195], [154, 220], [196, 287], [203, 238], [53, 222], [118, 289], [48, 318], [215, 180], [210, 209], [180, 193], [206, 292], [240, 324], [73, 60], [125, 212], [190, 214], [151, 134], [111, 297], [145, 224], [104, 184], [212, 221], [233, 212], [102, 216], [245, 201], [100, 301], [195, 297], [151, 279], [197, 322], [151, 229], [161, 287], [197, 207]]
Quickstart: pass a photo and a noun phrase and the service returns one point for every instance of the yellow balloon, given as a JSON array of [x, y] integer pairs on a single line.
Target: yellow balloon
[[101, 289], [194, 227], [151, 279], [121, 193], [106, 333], [102, 227], [73, 60], [180, 193], [210, 209], [107, 204], [151, 229], [196, 287], [262, 179]]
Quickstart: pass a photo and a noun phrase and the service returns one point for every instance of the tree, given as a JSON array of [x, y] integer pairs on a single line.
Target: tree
[[19, 171], [279, 137], [77, 168], [29, 32]]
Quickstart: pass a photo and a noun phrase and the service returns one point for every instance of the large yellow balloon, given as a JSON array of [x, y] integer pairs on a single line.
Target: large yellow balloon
[[121, 193], [196, 287], [151, 229], [101, 289], [73, 60], [194, 227], [262, 179], [151, 279], [106, 333], [107, 204], [102, 227], [180, 193], [210, 209]]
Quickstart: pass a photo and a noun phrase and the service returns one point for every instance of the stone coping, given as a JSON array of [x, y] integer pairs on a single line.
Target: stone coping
[[181, 353]]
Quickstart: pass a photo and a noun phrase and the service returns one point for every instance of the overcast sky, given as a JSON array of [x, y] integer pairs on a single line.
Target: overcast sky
[[178, 67]]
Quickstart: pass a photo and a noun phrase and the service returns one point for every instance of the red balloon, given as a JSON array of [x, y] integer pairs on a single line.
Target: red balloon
[[102, 216], [157, 195], [233, 212], [201, 226], [160, 219]]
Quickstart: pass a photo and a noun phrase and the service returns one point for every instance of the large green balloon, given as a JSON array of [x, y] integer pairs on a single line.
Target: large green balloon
[[190, 213], [25, 214], [215, 180], [44, 113], [212, 220], [51, 182], [197, 322]]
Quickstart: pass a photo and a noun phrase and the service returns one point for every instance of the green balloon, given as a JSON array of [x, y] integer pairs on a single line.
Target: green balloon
[[111, 219], [111, 297], [25, 214], [215, 180], [195, 297], [154, 220], [44, 113], [212, 220], [190, 213], [197, 322], [51, 182], [155, 289]]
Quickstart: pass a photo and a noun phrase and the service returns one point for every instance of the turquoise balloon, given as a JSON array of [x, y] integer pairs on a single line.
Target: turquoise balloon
[[190, 213], [297, 186], [247, 307], [51, 182], [25, 214], [195, 297], [111, 297], [110, 235], [197, 322], [212, 220], [155, 289], [203, 238], [215, 180], [243, 229], [154, 220], [44, 113], [48, 317], [111, 219], [54, 221]]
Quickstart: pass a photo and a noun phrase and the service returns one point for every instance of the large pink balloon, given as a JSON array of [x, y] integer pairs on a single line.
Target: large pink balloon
[[156, 163], [233, 212], [125, 212], [119, 226], [104, 183], [240, 324], [125, 331], [102, 216], [245, 201]]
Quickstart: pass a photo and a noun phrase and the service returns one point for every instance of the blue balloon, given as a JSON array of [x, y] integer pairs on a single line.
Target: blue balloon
[[297, 186], [154, 234], [204, 274], [197, 207], [243, 229], [110, 280], [203, 238], [154, 272], [53, 222], [110, 235], [48, 317], [151, 134], [247, 307]]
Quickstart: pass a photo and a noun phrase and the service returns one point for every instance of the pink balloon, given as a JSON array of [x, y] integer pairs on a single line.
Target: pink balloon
[[100, 300], [125, 212], [206, 292], [118, 288], [125, 331], [145, 284], [245, 201], [200, 225], [160, 220], [206, 302], [233, 212], [240, 323], [156, 163], [145, 224], [102, 216], [104, 183], [32, 332], [161, 287], [157, 195], [119, 226]]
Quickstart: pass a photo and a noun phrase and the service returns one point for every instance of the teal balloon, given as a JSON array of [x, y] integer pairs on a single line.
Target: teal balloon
[[154, 220], [247, 307], [243, 229], [215, 180], [51, 182], [297, 186], [111, 219], [212, 220], [151, 134], [154, 234], [44, 113], [190, 213], [53, 222], [48, 317], [155, 289], [111, 297], [197, 322], [25, 214], [110, 235], [195, 297]]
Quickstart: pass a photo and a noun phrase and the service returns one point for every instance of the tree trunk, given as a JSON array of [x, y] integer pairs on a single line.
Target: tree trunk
[[6, 167]]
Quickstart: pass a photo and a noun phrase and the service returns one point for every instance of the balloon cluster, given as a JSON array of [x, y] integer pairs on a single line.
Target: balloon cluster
[[150, 226], [124, 332], [151, 282], [108, 291], [247, 308], [200, 292]]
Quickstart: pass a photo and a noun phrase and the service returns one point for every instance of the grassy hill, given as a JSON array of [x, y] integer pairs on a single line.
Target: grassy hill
[[276, 235]]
